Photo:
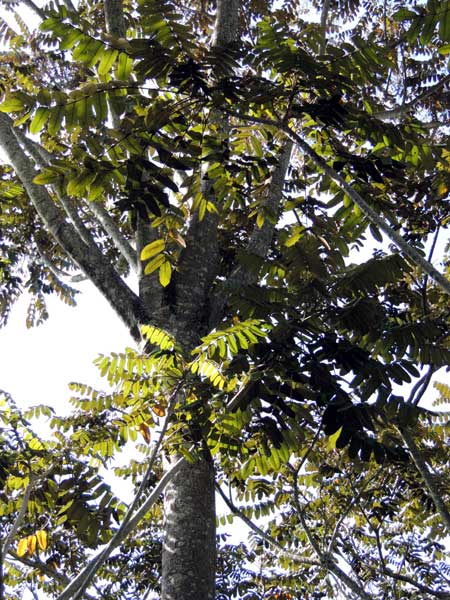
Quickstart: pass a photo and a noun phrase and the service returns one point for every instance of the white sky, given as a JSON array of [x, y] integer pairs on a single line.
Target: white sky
[[38, 363]]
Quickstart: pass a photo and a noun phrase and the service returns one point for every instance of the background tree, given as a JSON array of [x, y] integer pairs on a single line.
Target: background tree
[[230, 157]]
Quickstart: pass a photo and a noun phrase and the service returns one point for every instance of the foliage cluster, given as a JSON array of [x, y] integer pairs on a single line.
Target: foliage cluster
[[294, 386]]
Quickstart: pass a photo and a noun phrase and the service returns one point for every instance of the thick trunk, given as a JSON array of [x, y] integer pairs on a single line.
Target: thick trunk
[[189, 549], [189, 553]]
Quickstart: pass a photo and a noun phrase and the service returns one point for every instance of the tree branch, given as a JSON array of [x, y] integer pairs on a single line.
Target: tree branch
[[19, 518], [124, 247], [86, 255], [43, 158], [329, 563], [420, 387], [199, 261], [399, 111], [324, 24], [77, 586], [427, 476], [367, 210], [227, 20], [423, 588], [115, 23], [269, 539], [260, 239], [58, 273], [326, 559]]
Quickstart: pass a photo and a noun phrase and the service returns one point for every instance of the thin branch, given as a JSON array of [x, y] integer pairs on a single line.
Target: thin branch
[[423, 588], [425, 280], [19, 518], [58, 273], [324, 24], [326, 559], [77, 586], [38, 153], [269, 539], [89, 257], [36, 563], [399, 111], [111, 228], [72, 212], [427, 476], [42, 159], [351, 504], [260, 239], [366, 209], [328, 562], [144, 483], [421, 386]]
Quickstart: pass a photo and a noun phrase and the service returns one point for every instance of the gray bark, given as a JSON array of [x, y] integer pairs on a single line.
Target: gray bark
[[113, 231], [189, 548], [84, 253], [190, 555], [260, 240], [428, 478], [115, 24]]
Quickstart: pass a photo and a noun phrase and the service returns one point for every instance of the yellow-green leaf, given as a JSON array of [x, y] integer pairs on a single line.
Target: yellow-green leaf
[[13, 103], [260, 220], [331, 442], [151, 249], [39, 119], [107, 61], [124, 66], [154, 264], [47, 176], [165, 273]]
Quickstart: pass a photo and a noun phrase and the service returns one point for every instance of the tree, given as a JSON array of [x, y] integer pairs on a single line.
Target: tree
[[229, 156]]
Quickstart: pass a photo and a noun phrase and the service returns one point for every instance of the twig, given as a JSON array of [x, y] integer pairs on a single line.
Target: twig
[[394, 113], [269, 539], [427, 476], [366, 209], [420, 387], [20, 516], [326, 559], [77, 586]]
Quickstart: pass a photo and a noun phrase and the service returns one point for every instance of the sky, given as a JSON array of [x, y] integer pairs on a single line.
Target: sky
[[38, 363]]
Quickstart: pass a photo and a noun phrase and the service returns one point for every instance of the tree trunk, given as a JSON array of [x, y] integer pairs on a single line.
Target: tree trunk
[[189, 548], [189, 551]]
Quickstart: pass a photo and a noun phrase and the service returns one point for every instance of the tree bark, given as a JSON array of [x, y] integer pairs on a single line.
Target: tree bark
[[189, 547], [189, 554], [84, 252]]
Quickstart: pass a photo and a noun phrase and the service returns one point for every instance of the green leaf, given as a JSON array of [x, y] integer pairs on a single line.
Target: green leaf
[[55, 120], [444, 23], [404, 14], [107, 61], [124, 66], [14, 103], [154, 248], [444, 50], [47, 176], [165, 273]]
